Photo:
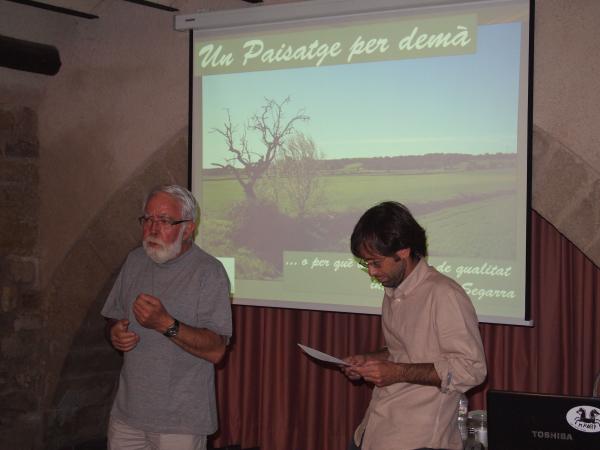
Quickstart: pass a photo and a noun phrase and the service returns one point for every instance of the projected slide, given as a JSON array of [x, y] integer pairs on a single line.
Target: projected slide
[[298, 131]]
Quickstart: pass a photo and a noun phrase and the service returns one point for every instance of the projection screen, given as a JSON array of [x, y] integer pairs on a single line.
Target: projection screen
[[304, 115]]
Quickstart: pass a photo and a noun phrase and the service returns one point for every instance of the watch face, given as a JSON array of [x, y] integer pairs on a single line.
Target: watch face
[[172, 330]]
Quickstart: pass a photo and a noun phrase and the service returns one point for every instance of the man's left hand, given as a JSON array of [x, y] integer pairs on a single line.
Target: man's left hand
[[380, 373], [150, 313]]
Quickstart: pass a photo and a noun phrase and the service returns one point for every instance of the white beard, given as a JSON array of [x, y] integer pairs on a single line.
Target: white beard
[[165, 252]]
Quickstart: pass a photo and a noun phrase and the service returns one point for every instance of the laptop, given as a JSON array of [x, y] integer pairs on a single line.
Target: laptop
[[527, 421]]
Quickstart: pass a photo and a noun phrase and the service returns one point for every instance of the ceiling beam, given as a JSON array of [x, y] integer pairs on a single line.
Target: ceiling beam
[[153, 5], [55, 8]]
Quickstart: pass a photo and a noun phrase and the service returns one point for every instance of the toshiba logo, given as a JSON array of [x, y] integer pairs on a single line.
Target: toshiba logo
[[552, 435]]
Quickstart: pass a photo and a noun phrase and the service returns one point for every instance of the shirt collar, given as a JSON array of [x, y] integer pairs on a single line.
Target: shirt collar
[[413, 279]]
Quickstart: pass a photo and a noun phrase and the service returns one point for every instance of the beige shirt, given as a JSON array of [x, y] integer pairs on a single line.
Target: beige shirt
[[427, 319]]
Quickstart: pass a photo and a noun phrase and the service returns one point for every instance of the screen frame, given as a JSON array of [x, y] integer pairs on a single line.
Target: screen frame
[[316, 11]]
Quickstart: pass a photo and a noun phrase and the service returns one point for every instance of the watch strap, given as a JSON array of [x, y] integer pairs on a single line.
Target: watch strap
[[172, 330]]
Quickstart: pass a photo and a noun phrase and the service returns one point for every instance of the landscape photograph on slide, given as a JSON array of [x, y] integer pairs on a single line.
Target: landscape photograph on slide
[[292, 157]]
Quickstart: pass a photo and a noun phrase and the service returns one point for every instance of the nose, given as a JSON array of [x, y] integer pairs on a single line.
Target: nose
[[153, 226], [372, 271]]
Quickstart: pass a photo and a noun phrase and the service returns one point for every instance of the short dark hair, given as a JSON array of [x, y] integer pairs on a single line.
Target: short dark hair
[[386, 228]]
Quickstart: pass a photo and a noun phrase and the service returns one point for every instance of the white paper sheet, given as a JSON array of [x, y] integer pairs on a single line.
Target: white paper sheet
[[322, 356]]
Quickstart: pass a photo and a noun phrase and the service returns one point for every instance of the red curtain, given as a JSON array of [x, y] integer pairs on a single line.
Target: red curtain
[[270, 395]]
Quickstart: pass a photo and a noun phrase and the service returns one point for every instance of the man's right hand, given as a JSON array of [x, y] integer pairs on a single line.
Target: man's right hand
[[121, 338], [355, 361]]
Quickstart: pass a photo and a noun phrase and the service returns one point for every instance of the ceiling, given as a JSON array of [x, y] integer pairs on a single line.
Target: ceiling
[[89, 9]]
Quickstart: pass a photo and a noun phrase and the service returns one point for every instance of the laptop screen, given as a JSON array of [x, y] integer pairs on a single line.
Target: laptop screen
[[526, 421]]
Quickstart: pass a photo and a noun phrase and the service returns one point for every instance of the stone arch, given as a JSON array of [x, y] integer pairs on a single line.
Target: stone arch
[[80, 369], [566, 192]]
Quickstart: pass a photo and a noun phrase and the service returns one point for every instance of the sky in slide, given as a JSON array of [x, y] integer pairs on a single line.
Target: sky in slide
[[450, 104]]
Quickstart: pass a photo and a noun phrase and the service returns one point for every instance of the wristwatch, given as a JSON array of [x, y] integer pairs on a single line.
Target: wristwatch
[[172, 330]]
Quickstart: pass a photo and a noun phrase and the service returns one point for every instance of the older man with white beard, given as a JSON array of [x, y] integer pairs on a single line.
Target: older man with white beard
[[169, 313]]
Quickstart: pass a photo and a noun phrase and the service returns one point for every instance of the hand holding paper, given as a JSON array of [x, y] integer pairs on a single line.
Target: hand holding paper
[[322, 356]]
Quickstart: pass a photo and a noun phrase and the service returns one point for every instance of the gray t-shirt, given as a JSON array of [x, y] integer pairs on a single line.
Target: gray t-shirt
[[162, 388]]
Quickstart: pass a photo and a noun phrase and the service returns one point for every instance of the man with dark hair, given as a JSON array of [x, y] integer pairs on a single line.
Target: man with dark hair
[[169, 313], [433, 347]]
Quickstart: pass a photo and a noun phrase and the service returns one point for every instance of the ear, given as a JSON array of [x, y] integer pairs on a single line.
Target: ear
[[189, 231], [403, 253]]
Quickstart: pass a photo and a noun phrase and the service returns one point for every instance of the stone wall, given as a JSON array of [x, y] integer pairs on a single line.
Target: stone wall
[[566, 113], [21, 320], [57, 373]]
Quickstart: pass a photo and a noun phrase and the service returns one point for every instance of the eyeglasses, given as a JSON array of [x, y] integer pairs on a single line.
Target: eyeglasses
[[375, 263], [162, 222]]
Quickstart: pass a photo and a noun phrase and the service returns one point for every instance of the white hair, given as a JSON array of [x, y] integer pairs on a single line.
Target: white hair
[[189, 205]]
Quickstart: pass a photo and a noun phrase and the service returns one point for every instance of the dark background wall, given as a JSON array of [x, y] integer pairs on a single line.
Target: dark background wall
[[21, 318]]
